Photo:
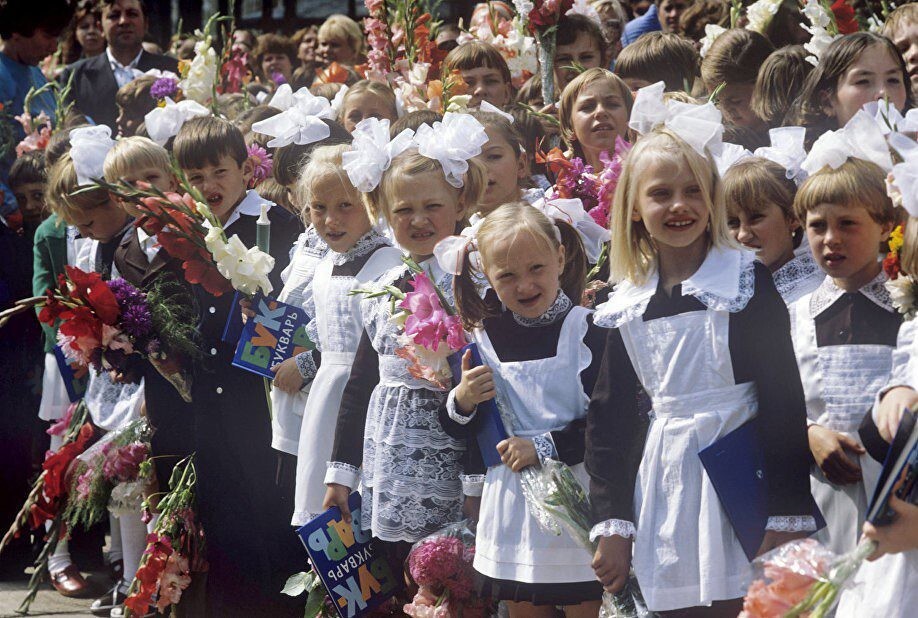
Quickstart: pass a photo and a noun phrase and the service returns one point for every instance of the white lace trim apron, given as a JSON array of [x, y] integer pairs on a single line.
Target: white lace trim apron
[[337, 318], [411, 467], [685, 552], [510, 544], [839, 382]]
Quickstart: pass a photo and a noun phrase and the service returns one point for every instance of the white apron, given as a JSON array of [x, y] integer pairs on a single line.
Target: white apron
[[287, 409], [510, 544], [685, 551], [840, 383], [54, 398], [885, 588], [340, 329]]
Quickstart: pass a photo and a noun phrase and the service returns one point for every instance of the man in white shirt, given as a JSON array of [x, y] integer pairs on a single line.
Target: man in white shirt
[[97, 79]]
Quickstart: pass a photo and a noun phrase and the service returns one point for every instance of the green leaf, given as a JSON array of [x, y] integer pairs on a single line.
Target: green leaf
[[296, 584], [315, 602]]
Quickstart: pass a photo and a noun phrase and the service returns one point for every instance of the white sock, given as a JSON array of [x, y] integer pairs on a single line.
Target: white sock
[[115, 553], [134, 541], [60, 559]]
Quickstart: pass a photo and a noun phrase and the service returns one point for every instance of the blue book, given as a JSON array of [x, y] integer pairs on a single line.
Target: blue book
[[736, 466], [74, 376], [357, 576], [491, 427], [276, 333], [899, 473]]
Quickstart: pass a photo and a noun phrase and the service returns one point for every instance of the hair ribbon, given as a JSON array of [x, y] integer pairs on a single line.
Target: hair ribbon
[[88, 147]]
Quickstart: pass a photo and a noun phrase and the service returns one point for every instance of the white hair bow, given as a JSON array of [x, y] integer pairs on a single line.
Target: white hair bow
[[861, 138], [165, 122], [452, 142], [88, 147], [295, 125], [338, 102], [730, 155], [904, 176], [491, 109], [285, 98], [161, 74], [372, 152], [889, 118], [450, 251], [593, 235], [699, 125], [787, 150]]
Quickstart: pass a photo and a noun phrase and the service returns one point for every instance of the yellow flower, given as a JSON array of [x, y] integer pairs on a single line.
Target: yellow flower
[[896, 240]]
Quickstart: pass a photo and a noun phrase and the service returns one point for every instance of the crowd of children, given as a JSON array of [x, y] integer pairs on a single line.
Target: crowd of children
[[686, 243]]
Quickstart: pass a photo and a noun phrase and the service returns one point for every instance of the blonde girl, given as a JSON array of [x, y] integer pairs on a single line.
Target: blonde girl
[[367, 99], [388, 424], [541, 355], [696, 323], [357, 254], [594, 111]]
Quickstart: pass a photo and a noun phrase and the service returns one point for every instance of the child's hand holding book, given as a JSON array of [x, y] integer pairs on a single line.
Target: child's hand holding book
[[476, 385]]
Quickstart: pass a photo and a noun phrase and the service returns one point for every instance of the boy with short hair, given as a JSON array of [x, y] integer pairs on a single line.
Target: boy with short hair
[[844, 335], [578, 41], [902, 29], [659, 56], [484, 70], [250, 548]]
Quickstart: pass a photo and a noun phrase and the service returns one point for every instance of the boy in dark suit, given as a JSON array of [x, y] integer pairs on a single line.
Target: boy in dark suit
[[250, 548]]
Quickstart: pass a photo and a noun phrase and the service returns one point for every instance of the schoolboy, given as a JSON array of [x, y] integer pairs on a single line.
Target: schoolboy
[[134, 102], [485, 72], [250, 548], [28, 177], [659, 56], [579, 42], [732, 64], [902, 29]]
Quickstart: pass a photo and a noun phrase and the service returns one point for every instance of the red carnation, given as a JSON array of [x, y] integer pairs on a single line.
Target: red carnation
[[844, 17]]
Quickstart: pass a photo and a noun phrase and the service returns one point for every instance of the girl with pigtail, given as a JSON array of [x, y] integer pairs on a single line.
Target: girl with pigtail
[[541, 355]]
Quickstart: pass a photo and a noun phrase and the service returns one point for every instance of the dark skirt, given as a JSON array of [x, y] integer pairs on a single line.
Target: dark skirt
[[572, 593]]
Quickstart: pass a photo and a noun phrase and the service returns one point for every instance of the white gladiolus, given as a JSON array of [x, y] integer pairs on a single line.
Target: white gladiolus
[[199, 82]]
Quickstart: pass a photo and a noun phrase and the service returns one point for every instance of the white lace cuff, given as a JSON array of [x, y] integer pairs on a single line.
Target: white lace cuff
[[791, 523], [452, 410], [472, 484], [342, 474], [545, 447], [306, 366], [610, 527]]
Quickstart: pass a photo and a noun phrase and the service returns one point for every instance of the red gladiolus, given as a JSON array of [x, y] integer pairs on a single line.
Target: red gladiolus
[[207, 275], [91, 288], [844, 17]]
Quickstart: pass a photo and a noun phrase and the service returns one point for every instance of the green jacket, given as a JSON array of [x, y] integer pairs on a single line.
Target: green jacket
[[50, 254]]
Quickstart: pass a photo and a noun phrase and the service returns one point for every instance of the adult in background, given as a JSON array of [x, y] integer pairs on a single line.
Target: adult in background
[[97, 79], [29, 31], [84, 38], [664, 15]]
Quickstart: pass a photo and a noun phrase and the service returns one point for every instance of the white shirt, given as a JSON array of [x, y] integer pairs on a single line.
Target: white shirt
[[148, 244], [124, 74]]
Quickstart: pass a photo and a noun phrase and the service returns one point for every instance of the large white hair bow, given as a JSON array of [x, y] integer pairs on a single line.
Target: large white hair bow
[[88, 147], [491, 109], [904, 176], [165, 122], [787, 150], [730, 155], [450, 251], [861, 138], [699, 125], [285, 98], [593, 235], [295, 125], [338, 102], [452, 142], [372, 152]]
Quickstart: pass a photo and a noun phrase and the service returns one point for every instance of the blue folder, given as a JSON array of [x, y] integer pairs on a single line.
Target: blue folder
[[901, 464], [491, 428], [736, 466]]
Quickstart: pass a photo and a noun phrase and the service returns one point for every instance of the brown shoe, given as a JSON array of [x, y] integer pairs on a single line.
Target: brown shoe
[[70, 583]]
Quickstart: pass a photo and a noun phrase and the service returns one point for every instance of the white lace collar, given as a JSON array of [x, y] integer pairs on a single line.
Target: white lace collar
[[827, 293], [800, 268], [555, 312], [724, 282], [364, 245]]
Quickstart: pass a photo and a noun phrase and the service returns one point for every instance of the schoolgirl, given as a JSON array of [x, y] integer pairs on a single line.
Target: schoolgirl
[[698, 324], [424, 184], [357, 255], [541, 355]]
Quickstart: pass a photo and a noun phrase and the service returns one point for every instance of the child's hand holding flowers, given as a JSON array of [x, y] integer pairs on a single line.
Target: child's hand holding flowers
[[518, 453]]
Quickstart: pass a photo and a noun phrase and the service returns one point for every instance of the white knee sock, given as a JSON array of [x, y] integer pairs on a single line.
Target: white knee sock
[[115, 553], [134, 541]]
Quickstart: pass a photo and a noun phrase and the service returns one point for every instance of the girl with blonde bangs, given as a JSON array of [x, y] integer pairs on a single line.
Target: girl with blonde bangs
[[632, 252], [697, 324]]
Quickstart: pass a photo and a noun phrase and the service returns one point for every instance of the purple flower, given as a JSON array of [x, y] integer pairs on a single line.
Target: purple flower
[[264, 163], [278, 78], [135, 319], [164, 87]]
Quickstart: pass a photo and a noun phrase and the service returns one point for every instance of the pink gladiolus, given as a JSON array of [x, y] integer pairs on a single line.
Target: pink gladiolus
[[373, 5], [175, 579], [123, 464], [60, 426], [427, 322]]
